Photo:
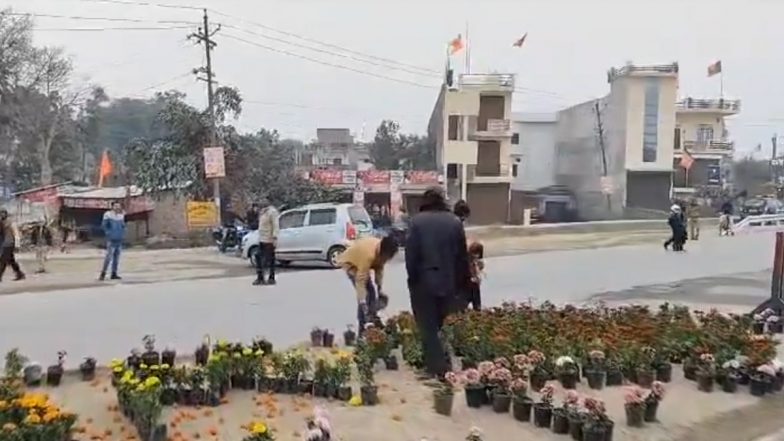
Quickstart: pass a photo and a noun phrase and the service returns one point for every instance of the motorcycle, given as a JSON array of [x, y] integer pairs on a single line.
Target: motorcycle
[[229, 237]]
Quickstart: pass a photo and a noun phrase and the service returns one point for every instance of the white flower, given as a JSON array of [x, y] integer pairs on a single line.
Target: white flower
[[731, 364], [563, 360], [757, 317], [766, 369], [776, 364]]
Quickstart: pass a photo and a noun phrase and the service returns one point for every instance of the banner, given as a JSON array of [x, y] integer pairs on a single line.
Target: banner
[[374, 181], [201, 215], [421, 177], [327, 177], [214, 162]]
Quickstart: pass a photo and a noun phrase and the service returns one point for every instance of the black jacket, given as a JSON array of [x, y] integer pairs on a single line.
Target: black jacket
[[436, 254], [252, 219], [677, 226]]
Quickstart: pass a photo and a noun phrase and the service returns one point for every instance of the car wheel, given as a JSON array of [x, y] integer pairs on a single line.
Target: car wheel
[[252, 255], [333, 254]]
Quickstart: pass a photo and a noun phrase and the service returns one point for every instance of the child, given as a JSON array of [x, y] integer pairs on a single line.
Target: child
[[476, 253]]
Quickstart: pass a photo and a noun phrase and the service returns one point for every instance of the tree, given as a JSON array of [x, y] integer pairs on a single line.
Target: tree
[[751, 175], [392, 150]]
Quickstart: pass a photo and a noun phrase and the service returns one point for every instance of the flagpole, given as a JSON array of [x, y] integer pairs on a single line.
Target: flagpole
[[467, 52], [721, 83]]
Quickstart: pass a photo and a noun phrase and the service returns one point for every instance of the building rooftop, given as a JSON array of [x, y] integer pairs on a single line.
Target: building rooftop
[[334, 136], [642, 70], [491, 81], [710, 105], [526, 117]]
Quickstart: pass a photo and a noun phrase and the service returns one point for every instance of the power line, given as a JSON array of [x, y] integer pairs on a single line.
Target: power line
[[338, 66], [114, 19], [139, 3], [110, 29], [163, 83]]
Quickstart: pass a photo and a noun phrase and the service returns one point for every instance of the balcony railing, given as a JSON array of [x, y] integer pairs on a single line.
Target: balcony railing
[[615, 73], [490, 81], [720, 104], [495, 128], [719, 146], [475, 171]]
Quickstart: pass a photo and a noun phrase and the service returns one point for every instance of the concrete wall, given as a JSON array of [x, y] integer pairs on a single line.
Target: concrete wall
[[689, 122], [536, 151], [169, 216]]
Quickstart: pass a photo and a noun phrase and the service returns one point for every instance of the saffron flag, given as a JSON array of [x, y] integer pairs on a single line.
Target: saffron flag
[[686, 160], [456, 45], [519, 43], [106, 168], [714, 68]]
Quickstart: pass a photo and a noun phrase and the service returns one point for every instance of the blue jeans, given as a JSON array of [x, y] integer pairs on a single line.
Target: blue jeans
[[370, 301], [112, 255]]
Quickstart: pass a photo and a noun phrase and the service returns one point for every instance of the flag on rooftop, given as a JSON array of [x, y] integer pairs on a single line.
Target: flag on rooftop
[[519, 42], [456, 45], [714, 68]]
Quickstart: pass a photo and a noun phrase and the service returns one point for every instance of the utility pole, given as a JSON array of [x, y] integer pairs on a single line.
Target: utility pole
[[602, 147], [774, 176], [204, 35]]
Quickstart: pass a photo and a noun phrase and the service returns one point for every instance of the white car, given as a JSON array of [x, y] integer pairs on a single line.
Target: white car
[[318, 232]]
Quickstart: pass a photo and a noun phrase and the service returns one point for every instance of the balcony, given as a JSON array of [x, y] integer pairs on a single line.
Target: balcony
[[490, 129], [641, 70], [710, 147], [721, 105], [488, 173], [488, 82]]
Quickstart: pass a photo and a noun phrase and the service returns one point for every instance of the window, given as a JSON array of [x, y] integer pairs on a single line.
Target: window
[[326, 216], [451, 171], [337, 161], [514, 170], [515, 138], [650, 136], [295, 219], [704, 134], [454, 127]]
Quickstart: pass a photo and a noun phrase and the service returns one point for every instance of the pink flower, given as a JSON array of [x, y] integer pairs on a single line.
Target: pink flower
[[452, 378], [485, 368], [546, 393], [596, 355], [501, 362], [520, 360], [707, 358], [594, 406], [519, 386], [536, 357], [634, 396], [657, 389], [472, 376], [572, 397]]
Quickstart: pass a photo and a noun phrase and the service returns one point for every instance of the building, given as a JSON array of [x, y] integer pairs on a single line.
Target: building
[[533, 150], [335, 148], [616, 152], [471, 127], [701, 134]]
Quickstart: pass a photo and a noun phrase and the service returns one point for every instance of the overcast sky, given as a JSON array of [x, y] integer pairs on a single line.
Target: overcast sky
[[570, 46]]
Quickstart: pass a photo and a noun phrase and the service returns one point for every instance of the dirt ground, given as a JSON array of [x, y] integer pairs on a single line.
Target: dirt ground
[[405, 414]]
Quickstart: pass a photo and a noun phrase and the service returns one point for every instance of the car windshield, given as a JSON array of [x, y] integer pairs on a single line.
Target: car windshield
[[359, 215]]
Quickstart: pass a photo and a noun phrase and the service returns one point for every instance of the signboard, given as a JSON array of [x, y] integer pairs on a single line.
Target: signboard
[[350, 177], [214, 162], [714, 174], [421, 177], [606, 182], [375, 181], [327, 177], [359, 198], [201, 215], [138, 204], [396, 177]]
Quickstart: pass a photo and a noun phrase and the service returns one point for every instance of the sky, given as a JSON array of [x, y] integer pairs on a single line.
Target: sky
[[397, 54]]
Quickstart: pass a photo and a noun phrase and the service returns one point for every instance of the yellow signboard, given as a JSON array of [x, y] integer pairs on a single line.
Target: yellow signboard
[[201, 215]]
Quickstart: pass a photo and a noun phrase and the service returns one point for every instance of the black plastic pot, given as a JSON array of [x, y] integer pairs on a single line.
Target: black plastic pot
[[743, 378], [651, 407], [538, 381], [151, 358], [345, 393], [576, 427], [560, 422], [778, 383], [594, 433], [596, 379], [501, 402], [758, 328], [168, 396], [758, 386], [442, 402], [614, 378], [776, 327], [635, 415], [705, 383], [543, 414], [475, 396], [134, 361], [664, 372], [349, 338], [54, 374], [645, 377], [168, 357], [88, 373], [608, 434], [329, 339], [730, 384], [568, 380], [487, 398], [202, 354], [316, 338], [278, 385], [369, 395], [305, 387], [391, 363], [319, 390], [521, 409], [690, 371], [291, 386]]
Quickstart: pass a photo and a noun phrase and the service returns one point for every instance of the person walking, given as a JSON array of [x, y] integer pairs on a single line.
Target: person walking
[[363, 256], [675, 221], [472, 295], [437, 267], [268, 239], [113, 225], [252, 217], [693, 218], [9, 242], [41, 238]]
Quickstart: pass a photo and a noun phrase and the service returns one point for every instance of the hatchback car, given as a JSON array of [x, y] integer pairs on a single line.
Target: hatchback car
[[318, 232]]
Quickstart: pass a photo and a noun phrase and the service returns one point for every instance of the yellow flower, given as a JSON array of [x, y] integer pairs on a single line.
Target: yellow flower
[[355, 401], [154, 367], [237, 355], [344, 354], [9, 427], [259, 352], [4, 405], [51, 416], [117, 369], [165, 366], [134, 381], [152, 382], [247, 351], [143, 366], [222, 343], [32, 419], [258, 428], [116, 362]]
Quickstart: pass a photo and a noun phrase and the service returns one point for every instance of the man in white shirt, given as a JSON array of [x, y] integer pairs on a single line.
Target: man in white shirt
[[268, 240]]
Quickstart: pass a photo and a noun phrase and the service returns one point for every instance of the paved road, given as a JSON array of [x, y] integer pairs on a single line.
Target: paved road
[[106, 322]]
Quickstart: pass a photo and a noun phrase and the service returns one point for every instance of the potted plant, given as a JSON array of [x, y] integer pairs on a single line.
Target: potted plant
[[706, 372], [168, 356], [690, 368], [614, 372], [444, 395], [561, 414], [597, 426], [761, 380], [758, 324], [596, 371], [652, 401], [349, 336], [539, 372], [662, 366], [521, 403], [54, 373], [485, 368], [134, 360], [645, 369], [321, 374], [365, 360], [150, 355], [634, 405], [731, 370], [329, 339], [475, 391], [500, 380], [202, 354], [87, 368], [543, 409], [293, 366], [316, 337], [258, 431], [379, 345], [567, 371], [341, 375]]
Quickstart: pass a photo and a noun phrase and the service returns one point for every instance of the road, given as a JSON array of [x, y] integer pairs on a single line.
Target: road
[[107, 321]]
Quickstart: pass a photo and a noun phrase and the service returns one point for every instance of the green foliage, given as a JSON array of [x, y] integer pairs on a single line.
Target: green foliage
[[392, 150]]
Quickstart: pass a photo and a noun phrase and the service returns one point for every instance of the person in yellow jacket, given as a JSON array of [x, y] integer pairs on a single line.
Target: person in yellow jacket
[[363, 256]]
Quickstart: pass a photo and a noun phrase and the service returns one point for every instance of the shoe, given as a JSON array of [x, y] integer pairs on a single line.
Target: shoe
[[259, 282], [19, 277], [102, 277], [116, 277], [271, 282], [40, 271]]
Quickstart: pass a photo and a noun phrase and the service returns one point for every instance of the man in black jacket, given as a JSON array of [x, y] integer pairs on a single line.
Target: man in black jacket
[[437, 266]]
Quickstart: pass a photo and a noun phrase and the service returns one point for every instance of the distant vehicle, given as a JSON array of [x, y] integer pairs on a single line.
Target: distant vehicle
[[760, 206], [318, 232]]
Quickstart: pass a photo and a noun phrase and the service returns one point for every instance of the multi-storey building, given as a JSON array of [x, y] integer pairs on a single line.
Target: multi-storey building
[[334, 148], [471, 126], [701, 133]]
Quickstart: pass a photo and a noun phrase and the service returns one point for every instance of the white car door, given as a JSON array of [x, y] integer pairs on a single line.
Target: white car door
[[320, 232], [290, 239]]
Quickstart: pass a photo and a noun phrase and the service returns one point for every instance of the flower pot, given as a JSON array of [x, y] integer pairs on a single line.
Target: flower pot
[[330, 391], [501, 402], [521, 409], [88, 374], [475, 396], [151, 358], [291, 386], [576, 427], [778, 383], [538, 381], [201, 355], [631, 375], [758, 386], [664, 372], [568, 380], [730, 384], [608, 434], [594, 433], [596, 379], [560, 422], [134, 361], [614, 378], [345, 393], [369, 395], [543, 414], [316, 338], [645, 377], [168, 396], [349, 338], [305, 387], [391, 363], [487, 398], [442, 402], [705, 382], [278, 385], [690, 371], [319, 390], [168, 357], [758, 328], [329, 339], [776, 327], [651, 407], [54, 374], [635, 415]]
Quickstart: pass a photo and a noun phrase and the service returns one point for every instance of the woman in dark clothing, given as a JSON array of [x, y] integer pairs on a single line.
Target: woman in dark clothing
[[473, 293], [678, 227]]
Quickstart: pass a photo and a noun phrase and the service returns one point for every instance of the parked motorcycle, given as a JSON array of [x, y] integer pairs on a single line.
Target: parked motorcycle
[[229, 237]]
